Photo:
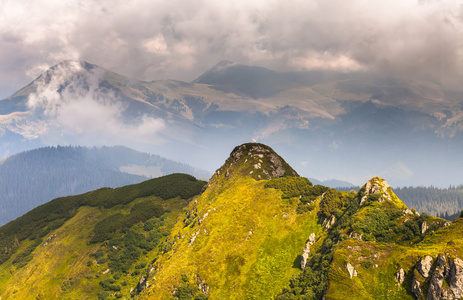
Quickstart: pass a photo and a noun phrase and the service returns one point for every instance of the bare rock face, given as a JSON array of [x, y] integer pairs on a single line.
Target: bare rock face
[[376, 186], [306, 251], [456, 278], [437, 279], [351, 270], [416, 288], [444, 279], [424, 266]]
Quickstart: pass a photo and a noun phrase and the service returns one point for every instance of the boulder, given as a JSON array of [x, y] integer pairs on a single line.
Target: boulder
[[351, 270]]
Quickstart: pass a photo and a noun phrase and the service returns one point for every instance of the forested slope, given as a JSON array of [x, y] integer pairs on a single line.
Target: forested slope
[[34, 177]]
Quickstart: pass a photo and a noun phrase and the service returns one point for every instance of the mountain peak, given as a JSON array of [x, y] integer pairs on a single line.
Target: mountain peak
[[256, 160], [379, 190]]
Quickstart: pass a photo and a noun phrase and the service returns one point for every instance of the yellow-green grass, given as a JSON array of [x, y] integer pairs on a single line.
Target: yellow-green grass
[[378, 282], [65, 269], [247, 247]]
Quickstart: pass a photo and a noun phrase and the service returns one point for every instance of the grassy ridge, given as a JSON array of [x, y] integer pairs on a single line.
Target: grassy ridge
[[52, 250], [42, 220], [242, 238]]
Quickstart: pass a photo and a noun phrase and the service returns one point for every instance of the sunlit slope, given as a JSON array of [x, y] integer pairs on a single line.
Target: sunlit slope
[[241, 239], [80, 247]]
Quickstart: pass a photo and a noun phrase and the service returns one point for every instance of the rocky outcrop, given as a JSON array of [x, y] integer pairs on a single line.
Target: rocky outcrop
[[141, 283], [49, 239], [456, 278], [351, 270], [376, 186], [424, 227], [264, 162], [424, 266], [444, 278], [330, 222], [416, 288], [400, 276], [306, 251], [437, 279]]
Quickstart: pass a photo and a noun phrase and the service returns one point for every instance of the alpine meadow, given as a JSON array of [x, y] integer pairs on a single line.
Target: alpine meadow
[[240, 149]]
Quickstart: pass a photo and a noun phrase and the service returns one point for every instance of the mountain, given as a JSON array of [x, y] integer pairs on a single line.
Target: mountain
[[329, 124], [256, 230], [333, 183], [31, 178]]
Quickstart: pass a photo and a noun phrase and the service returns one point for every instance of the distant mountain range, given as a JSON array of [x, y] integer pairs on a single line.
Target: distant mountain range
[[31, 178], [348, 126]]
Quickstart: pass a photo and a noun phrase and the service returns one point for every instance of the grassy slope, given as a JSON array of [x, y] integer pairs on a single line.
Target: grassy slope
[[378, 282], [247, 247], [65, 268], [59, 270]]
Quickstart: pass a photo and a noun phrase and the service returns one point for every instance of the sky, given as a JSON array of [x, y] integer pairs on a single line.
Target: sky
[[181, 39]]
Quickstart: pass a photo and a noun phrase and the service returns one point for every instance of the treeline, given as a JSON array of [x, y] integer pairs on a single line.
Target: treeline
[[445, 203], [34, 177], [432, 200]]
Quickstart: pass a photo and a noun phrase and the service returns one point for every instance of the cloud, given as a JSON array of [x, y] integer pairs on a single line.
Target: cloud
[[180, 39], [74, 108]]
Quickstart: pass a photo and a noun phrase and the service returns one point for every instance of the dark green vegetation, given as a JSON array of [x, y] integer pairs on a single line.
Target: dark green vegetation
[[53, 172], [298, 187], [42, 220]]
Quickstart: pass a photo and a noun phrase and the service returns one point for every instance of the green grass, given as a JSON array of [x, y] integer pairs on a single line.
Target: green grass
[[248, 246]]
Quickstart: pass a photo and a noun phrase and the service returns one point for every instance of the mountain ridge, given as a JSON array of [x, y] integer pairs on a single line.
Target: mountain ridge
[[305, 115], [236, 236]]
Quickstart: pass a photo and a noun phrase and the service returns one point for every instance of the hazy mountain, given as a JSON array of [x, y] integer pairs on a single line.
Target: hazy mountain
[[255, 230], [332, 183], [329, 125], [31, 178]]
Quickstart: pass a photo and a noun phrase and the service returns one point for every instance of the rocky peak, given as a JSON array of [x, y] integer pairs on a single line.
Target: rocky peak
[[382, 192], [256, 160]]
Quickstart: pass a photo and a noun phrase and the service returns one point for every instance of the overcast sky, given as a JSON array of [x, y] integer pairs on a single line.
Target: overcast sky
[[180, 39]]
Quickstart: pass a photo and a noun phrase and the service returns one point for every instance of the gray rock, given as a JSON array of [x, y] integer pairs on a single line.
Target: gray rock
[[424, 227], [400, 276], [351, 270], [456, 278], [141, 283], [331, 221], [312, 238], [416, 288], [424, 266], [306, 251], [437, 279], [376, 186], [49, 239]]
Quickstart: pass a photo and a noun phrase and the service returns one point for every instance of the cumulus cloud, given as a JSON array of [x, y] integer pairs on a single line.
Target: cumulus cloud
[[180, 39]]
